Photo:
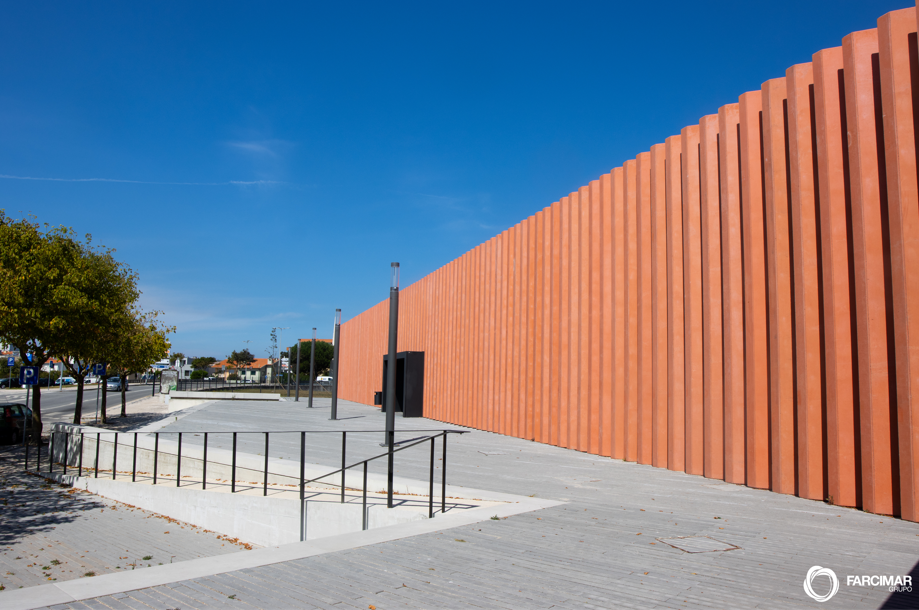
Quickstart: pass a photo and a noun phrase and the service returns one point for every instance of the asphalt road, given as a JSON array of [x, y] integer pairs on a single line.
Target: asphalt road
[[59, 404]]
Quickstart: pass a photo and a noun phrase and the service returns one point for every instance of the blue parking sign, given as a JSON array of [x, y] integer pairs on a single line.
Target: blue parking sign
[[99, 370], [28, 375], [11, 361]]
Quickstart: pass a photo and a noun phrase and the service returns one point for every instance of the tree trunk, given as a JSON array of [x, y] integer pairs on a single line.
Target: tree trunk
[[124, 402], [36, 413], [104, 383], [78, 407]]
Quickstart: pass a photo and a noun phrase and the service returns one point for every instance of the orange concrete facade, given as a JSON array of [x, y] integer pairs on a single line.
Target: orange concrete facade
[[738, 302]]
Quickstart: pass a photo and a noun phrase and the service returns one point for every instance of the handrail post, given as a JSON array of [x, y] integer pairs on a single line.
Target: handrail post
[[98, 442], [364, 511], [302, 487], [134, 461], [344, 444], [115, 457], [81, 454], [156, 453], [265, 480], [443, 479], [66, 450], [179, 463], [204, 465], [51, 453], [431, 483], [233, 470]]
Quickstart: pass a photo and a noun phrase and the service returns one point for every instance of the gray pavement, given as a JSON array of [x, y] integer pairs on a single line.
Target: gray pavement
[[604, 548], [49, 533]]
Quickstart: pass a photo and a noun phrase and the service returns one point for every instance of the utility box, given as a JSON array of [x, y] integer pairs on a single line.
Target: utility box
[[409, 384]]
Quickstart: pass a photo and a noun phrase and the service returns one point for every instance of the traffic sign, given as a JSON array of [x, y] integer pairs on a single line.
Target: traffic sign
[[11, 361], [29, 357], [28, 375], [99, 369]]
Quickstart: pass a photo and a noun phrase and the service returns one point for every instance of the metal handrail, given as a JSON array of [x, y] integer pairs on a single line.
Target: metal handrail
[[393, 449]]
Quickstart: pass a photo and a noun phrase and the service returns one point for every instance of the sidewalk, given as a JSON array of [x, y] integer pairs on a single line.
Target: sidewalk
[[614, 543], [49, 533]]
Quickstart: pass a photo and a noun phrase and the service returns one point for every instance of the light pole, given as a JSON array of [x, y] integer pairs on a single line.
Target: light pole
[[336, 339], [248, 366], [279, 329], [297, 399], [312, 367], [390, 398]]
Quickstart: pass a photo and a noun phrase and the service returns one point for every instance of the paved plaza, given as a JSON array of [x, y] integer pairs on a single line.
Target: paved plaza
[[613, 543]]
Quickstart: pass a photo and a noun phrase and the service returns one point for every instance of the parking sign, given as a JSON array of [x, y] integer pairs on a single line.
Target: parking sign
[[28, 375], [11, 361], [99, 370]]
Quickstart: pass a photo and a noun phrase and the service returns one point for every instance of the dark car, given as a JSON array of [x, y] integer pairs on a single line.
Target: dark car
[[10, 383], [12, 417]]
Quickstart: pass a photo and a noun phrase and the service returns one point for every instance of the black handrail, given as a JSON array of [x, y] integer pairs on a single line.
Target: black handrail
[[389, 454]]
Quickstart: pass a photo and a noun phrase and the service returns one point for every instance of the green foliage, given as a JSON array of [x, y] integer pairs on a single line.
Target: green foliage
[[202, 362], [241, 359], [198, 374], [324, 353], [232, 376], [61, 296], [176, 356]]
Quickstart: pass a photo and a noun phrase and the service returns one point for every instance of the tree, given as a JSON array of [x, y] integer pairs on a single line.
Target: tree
[[40, 280], [240, 359], [202, 362], [324, 353], [102, 294], [178, 356], [141, 344]]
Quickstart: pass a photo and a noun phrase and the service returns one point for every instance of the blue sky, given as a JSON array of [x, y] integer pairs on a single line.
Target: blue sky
[[260, 164]]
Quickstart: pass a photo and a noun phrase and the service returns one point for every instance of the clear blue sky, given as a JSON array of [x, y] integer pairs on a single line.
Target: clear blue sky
[[260, 164]]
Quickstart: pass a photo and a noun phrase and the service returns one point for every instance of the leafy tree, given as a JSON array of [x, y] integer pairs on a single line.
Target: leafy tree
[[241, 359], [198, 374], [201, 363], [177, 356], [138, 342], [324, 353], [41, 276], [103, 295]]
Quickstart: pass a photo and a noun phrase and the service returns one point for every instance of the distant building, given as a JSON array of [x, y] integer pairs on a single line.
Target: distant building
[[257, 372]]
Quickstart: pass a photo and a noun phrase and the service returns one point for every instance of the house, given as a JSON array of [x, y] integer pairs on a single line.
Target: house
[[257, 372]]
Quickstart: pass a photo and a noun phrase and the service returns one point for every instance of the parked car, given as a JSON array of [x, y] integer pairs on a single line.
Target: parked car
[[10, 383], [12, 417], [65, 381], [114, 383]]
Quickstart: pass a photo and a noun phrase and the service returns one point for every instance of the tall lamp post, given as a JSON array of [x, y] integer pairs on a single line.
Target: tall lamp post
[[336, 339], [277, 375], [390, 398], [312, 367], [297, 398]]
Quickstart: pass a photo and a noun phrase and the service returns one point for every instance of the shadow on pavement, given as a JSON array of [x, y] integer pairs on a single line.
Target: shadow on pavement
[[30, 504]]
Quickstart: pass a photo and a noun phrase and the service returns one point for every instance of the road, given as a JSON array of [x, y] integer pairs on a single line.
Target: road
[[57, 405]]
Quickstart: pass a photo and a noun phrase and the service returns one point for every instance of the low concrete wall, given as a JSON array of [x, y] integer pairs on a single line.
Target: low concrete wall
[[265, 521]]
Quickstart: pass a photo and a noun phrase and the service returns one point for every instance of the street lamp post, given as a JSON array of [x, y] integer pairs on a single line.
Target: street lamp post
[[277, 375], [336, 339], [312, 367], [297, 399], [390, 398]]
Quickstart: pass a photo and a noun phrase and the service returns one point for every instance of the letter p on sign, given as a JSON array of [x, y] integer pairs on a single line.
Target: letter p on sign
[[28, 375]]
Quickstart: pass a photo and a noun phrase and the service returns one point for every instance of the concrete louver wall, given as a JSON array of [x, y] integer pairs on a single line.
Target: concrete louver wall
[[740, 302]]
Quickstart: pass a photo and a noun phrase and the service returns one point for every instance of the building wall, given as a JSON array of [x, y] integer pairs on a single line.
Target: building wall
[[739, 302]]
